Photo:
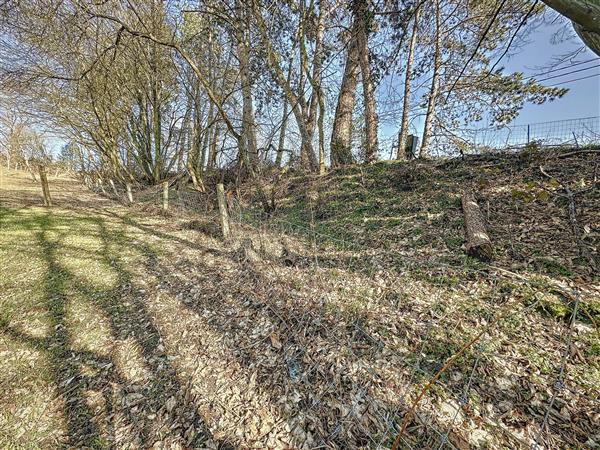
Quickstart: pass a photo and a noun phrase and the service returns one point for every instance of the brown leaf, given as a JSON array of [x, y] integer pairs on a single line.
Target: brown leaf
[[275, 342], [458, 441]]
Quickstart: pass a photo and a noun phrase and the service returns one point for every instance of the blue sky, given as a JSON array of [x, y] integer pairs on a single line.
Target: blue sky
[[540, 50], [583, 98], [538, 55]]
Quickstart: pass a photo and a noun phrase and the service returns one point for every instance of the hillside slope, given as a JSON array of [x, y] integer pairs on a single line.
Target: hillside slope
[[411, 212], [349, 315]]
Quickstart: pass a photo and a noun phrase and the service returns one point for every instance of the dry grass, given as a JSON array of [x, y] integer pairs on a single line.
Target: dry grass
[[124, 330]]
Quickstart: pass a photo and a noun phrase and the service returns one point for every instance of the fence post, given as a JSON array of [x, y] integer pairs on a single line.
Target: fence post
[[223, 212], [165, 195], [114, 188], [528, 133], [45, 188], [129, 193]]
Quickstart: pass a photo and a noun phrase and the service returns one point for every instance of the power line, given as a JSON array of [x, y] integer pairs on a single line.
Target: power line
[[485, 33], [563, 68], [576, 79], [530, 77], [569, 73]]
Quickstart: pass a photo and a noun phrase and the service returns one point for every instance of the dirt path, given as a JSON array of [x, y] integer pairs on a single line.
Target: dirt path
[[124, 328]]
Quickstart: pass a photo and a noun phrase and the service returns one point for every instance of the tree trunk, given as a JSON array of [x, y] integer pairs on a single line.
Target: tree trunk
[[403, 135], [45, 187], [479, 243], [317, 95], [585, 16], [275, 68], [157, 128], [341, 138], [212, 154], [281, 144], [321, 133], [433, 93], [363, 16], [284, 118], [114, 188], [248, 124]]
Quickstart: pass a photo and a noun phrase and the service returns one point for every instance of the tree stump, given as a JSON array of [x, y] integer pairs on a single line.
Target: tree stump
[[479, 243]]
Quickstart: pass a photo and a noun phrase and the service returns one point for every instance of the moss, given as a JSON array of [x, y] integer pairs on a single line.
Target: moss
[[552, 267], [454, 242], [593, 350], [552, 305]]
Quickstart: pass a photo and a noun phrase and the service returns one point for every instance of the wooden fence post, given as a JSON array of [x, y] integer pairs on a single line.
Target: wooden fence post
[[165, 195], [114, 188], [45, 188], [223, 212], [129, 194]]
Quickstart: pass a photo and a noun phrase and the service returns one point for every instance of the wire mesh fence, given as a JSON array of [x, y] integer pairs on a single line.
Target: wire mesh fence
[[440, 404], [580, 132], [377, 356]]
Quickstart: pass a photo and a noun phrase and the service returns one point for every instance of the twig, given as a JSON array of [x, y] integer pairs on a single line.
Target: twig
[[570, 196], [445, 367], [566, 155]]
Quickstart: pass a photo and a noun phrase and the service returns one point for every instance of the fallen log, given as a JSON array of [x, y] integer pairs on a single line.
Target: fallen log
[[479, 243]]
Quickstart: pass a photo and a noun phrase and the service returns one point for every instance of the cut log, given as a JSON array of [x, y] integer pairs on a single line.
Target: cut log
[[479, 243]]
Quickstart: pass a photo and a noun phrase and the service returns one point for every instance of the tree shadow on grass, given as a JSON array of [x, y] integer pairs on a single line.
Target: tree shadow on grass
[[307, 365], [138, 413], [289, 362]]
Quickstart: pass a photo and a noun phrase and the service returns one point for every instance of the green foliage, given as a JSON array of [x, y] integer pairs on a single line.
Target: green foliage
[[530, 193]]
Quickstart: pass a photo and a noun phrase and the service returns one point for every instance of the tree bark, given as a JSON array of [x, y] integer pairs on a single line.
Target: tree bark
[[315, 79], [434, 90], [362, 14], [248, 124], [165, 203], [114, 188], [403, 135], [212, 154], [479, 243], [284, 120], [585, 16], [279, 76], [321, 133], [341, 138], [129, 194]]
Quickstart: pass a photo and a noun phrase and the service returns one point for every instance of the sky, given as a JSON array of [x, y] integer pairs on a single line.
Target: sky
[[538, 55], [539, 52], [583, 98]]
